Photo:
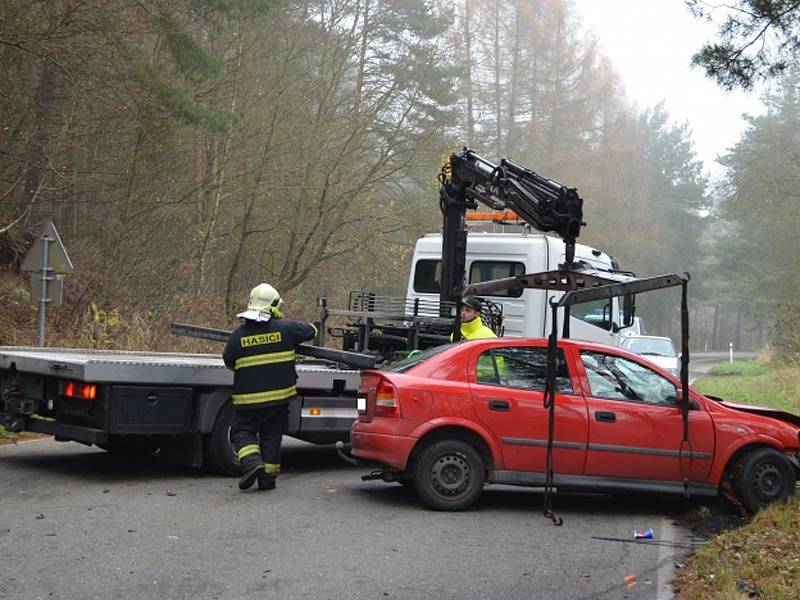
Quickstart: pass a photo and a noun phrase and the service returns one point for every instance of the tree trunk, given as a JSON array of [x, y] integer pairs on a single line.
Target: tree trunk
[[715, 328], [362, 59], [737, 337], [37, 153], [218, 164], [498, 95], [512, 93], [468, 74]]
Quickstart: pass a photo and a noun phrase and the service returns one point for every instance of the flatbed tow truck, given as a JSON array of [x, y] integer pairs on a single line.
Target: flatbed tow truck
[[136, 403]]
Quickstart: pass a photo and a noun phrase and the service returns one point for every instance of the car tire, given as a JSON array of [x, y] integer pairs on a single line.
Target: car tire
[[449, 475], [761, 477], [218, 454], [131, 446]]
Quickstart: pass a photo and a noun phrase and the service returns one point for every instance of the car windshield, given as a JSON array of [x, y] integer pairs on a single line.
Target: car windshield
[[652, 346], [416, 357]]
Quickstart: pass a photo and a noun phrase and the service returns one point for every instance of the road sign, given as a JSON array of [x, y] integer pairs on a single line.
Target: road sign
[[57, 259], [47, 262], [53, 295]]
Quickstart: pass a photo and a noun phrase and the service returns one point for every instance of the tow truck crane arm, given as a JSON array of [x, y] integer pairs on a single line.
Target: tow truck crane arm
[[467, 179]]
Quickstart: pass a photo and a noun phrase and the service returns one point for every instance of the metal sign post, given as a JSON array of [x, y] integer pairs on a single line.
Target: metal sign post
[[45, 278], [47, 261]]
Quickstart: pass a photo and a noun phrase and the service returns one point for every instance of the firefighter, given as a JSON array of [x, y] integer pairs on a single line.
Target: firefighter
[[261, 353], [472, 328]]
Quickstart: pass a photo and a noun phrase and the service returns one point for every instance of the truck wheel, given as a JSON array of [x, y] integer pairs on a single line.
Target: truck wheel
[[218, 454], [449, 475], [762, 476], [132, 446]]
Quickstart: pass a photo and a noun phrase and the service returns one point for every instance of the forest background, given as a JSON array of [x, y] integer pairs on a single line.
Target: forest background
[[190, 149]]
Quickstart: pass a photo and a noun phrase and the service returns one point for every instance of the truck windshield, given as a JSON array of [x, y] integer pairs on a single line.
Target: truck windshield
[[416, 357], [597, 313]]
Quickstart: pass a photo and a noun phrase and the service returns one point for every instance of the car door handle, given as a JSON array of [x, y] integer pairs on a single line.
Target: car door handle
[[500, 405], [605, 417]]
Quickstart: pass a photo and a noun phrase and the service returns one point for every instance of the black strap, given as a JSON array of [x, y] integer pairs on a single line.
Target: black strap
[[685, 444], [550, 405]]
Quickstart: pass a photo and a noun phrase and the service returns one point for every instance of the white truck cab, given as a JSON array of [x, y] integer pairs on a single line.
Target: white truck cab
[[525, 312]]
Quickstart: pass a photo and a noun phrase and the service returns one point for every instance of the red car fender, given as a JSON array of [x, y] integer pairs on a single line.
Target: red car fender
[[428, 426], [723, 456]]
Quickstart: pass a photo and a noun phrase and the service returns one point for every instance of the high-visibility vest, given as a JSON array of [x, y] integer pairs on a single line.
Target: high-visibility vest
[[475, 330]]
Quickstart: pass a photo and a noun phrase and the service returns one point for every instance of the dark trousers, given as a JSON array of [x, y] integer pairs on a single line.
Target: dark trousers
[[256, 435]]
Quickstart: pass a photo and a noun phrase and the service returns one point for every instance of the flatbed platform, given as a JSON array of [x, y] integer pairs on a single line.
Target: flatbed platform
[[150, 368]]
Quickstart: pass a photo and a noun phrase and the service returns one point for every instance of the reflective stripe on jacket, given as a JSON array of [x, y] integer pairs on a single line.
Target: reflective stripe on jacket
[[262, 356]]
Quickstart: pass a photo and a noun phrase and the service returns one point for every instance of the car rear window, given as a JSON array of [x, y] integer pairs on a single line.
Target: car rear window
[[415, 358]]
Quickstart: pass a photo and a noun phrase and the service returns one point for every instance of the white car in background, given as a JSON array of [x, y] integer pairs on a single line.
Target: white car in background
[[658, 350]]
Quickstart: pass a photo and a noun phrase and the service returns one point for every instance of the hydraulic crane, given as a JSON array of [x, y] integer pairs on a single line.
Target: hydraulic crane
[[468, 179]]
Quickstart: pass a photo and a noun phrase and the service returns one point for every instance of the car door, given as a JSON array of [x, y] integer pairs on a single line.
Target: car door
[[636, 426], [508, 391]]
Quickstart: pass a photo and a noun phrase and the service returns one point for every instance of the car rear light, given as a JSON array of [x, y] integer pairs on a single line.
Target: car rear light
[[76, 389], [386, 400]]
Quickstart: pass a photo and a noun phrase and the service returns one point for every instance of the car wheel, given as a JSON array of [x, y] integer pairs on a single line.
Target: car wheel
[[449, 475], [218, 453], [761, 477]]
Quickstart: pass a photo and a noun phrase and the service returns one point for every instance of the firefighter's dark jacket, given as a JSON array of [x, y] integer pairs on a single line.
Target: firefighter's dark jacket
[[262, 355]]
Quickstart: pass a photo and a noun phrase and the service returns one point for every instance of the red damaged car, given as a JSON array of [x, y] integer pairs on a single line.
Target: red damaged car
[[454, 418]]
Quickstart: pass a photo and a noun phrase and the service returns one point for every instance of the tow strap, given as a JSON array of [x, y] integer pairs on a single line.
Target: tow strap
[[684, 401], [550, 404]]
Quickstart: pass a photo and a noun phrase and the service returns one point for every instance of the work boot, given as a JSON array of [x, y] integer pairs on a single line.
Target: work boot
[[266, 482], [252, 469]]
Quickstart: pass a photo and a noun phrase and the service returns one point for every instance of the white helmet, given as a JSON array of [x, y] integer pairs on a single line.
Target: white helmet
[[264, 302]]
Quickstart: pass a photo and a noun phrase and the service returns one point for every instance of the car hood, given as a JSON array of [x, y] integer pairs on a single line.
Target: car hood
[[760, 410], [665, 362]]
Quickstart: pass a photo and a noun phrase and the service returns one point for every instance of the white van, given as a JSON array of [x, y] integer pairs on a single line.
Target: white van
[[525, 312]]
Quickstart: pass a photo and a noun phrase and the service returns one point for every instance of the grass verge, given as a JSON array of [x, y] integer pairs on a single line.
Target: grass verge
[[761, 559], [746, 382]]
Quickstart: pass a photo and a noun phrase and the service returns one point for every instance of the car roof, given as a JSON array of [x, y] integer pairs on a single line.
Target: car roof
[[532, 341]]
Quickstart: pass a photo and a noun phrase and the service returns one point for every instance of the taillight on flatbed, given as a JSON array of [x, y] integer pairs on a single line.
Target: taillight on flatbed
[[77, 389], [387, 400]]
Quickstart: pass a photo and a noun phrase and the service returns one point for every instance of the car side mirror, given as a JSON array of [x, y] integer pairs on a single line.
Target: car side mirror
[[614, 327], [628, 309], [693, 404]]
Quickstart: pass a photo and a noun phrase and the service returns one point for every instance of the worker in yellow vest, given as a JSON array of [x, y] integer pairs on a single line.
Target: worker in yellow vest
[[472, 328]]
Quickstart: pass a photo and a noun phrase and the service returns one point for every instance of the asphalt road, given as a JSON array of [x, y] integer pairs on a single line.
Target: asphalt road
[[77, 524], [701, 362]]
